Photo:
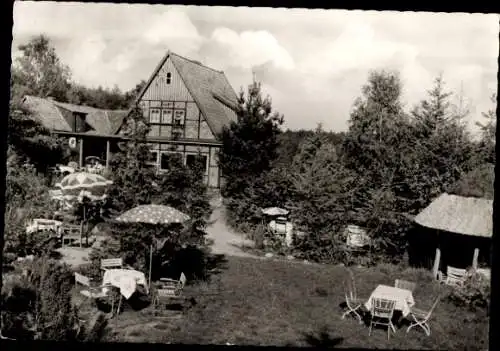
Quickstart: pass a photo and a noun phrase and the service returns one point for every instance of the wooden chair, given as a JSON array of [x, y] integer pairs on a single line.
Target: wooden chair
[[352, 301], [405, 284], [92, 292], [110, 263], [421, 318], [167, 290], [381, 310], [455, 276]]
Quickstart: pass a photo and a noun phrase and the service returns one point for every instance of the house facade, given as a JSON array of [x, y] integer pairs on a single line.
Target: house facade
[[89, 131], [185, 103]]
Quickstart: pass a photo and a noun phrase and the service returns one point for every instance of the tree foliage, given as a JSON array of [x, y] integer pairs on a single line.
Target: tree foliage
[[488, 133], [37, 306], [249, 145], [40, 71]]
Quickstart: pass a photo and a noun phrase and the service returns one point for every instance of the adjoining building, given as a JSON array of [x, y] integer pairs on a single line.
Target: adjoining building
[[452, 231], [186, 104]]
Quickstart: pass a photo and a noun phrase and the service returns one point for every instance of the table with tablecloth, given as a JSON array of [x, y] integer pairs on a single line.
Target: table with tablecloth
[[126, 280], [404, 298]]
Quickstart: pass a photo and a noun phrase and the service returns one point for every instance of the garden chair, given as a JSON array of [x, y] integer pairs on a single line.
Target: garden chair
[[421, 318], [175, 286], [382, 310], [455, 276], [112, 263], [352, 301], [92, 292], [167, 290], [405, 284]]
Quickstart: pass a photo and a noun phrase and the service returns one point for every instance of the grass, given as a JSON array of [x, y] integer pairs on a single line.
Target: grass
[[280, 303]]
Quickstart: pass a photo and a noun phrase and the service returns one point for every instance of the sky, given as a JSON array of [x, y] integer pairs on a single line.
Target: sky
[[312, 63]]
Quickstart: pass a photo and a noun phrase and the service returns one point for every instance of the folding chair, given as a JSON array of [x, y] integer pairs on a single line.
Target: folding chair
[[405, 284], [421, 318], [110, 263], [92, 292], [382, 309], [352, 301], [167, 290], [455, 276]]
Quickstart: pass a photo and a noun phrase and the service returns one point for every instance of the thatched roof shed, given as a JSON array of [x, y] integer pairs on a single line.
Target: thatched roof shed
[[457, 214]]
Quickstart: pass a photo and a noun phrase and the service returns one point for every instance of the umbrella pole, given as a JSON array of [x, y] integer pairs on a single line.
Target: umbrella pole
[[150, 264]]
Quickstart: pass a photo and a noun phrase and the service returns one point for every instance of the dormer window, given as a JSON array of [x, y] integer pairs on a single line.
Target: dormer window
[[169, 77], [79, 122]]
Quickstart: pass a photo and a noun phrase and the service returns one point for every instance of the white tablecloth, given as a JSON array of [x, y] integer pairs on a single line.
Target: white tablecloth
[[124, 279], [404, 298]]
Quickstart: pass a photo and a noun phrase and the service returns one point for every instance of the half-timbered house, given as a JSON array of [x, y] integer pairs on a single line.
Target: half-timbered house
[[187, 105]]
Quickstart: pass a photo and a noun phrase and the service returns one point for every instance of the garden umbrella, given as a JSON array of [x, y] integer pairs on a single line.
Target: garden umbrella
[[80, 185], [153, 214], [275, 211], [74, 183]]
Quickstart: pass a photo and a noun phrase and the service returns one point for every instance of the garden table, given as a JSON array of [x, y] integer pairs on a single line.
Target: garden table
[[124, 279], [404, 298]]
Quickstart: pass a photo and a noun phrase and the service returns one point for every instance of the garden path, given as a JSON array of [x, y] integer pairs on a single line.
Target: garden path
[[225, 240]]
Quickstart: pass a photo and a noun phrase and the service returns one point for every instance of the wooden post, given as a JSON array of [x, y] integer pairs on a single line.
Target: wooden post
[[81, 233], [437, 258], [107, 154], [150, 265], [475, 258], [81, 153]]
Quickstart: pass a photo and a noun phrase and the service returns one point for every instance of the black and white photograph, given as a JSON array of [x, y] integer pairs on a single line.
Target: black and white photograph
[[216, 175]]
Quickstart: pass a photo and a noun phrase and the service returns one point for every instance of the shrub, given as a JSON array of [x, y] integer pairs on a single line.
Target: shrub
[[38, 306], [474, 293], [26, 198]]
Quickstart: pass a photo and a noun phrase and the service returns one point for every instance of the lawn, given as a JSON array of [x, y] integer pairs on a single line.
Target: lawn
[[267, 302]]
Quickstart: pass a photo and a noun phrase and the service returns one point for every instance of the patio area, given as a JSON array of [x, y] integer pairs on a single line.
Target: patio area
[[283, 303]]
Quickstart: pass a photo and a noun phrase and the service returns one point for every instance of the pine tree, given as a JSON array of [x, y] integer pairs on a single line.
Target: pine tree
[[249, 145]]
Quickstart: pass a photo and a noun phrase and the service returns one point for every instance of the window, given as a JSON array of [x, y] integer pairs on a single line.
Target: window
[[153, 160], [166, 116], [79, 122], [169, 158], [154, 116], [154, 131], [169, 77], [176, 133], [197, 161], [179, 117]]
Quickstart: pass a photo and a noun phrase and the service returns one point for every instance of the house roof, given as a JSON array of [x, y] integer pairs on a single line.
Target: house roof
[[48, 112], [457, 214], [209, 88]]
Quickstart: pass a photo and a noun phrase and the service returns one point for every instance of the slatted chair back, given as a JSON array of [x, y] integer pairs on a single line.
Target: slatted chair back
[[182, 281], [455, 276], [405, 284], [383, 308], [110, 263], [81, 279]]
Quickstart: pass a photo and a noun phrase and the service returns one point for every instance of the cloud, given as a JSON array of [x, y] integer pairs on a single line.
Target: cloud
[[250, 48], [312, 62], [172, 25]]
